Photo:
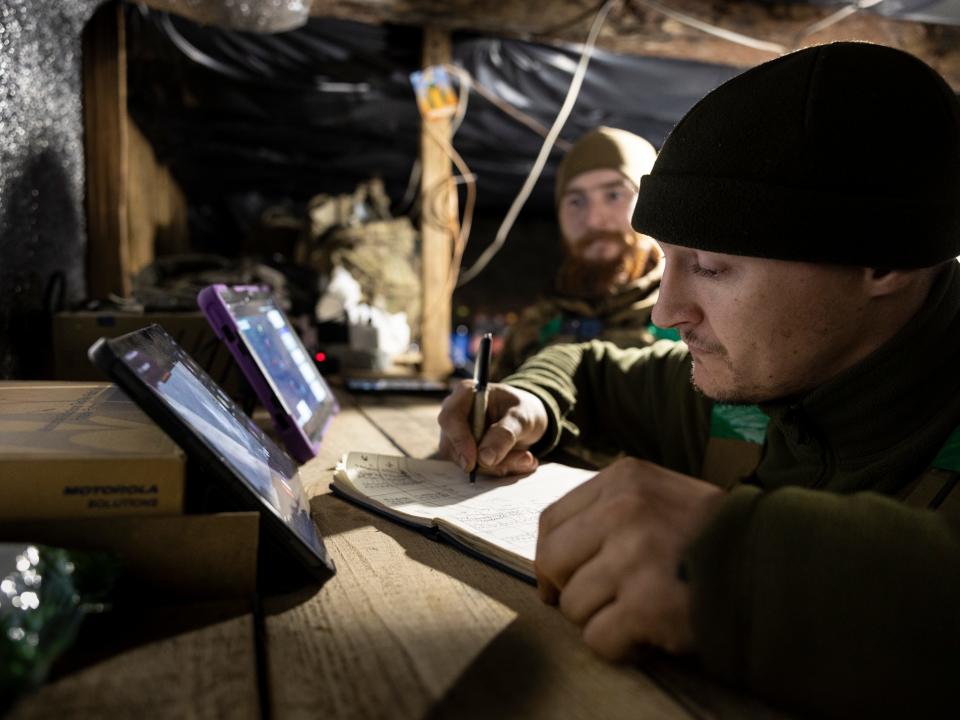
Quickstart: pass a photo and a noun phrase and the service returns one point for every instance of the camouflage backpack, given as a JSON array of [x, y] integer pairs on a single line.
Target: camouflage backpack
[[358, 233]]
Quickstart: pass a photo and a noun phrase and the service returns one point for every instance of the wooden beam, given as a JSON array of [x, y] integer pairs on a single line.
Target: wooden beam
[[156, 206], [658, 29], [133, 203], [105, 145], [439, 219]]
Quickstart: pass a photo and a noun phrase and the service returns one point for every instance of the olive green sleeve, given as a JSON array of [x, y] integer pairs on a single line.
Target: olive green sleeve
[[842, 605], [635, 400]]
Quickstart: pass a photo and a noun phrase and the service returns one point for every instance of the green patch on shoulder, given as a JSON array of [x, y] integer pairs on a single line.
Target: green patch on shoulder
[[550, 329], [660, 333], [738, 422], [949, 456]]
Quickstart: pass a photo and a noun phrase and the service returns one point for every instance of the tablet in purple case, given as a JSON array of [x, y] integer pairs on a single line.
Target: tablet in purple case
[[271, 356]]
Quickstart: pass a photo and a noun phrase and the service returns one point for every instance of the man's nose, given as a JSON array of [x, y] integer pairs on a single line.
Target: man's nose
[[598, 215], [675, 307]]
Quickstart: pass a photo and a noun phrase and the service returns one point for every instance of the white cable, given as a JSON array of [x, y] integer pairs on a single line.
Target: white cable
[[545, 149], [754, 43], [461, 110], [702, 26], [470, 83], [836, 17]]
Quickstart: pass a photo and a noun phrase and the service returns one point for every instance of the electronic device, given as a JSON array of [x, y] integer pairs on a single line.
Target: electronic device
[[233, 464], [272, 357], [399, 385]]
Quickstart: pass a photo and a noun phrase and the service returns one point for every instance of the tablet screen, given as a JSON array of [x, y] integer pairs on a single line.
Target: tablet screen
[[283, 360], [215, 419]]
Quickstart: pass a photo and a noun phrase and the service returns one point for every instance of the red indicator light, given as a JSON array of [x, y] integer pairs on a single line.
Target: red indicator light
[[320, 356]]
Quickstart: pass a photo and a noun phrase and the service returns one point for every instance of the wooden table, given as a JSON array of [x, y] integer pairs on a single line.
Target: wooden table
[[408, 628]]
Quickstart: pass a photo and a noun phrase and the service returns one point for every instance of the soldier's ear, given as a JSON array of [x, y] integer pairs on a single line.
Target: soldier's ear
[[884, 281]]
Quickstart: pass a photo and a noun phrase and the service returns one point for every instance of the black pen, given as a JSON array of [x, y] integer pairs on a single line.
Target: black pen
[[481, 374]]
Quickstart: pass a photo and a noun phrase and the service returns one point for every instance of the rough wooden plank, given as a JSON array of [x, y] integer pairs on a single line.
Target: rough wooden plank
[[410, 422], [399, 631], [411, 628], [438, 201], [156, 206], [637, 28], [205, 673], [408, 626], [350, 430], [134, 206], [105, 146]]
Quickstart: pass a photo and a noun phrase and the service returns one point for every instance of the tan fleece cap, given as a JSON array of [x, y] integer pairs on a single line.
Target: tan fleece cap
[[606, 148]]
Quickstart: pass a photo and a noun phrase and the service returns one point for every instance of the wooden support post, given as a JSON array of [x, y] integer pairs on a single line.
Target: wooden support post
[[133, 203], [105, 145], [439, 217]]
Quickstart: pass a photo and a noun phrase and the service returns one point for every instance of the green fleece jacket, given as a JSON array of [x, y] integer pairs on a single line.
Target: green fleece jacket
[[813, 585]]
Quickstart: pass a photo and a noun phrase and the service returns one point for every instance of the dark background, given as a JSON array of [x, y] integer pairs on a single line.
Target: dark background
[[249, 120]]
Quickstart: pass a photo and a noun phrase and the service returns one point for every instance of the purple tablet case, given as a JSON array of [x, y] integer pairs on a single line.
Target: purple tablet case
[[230, 311]]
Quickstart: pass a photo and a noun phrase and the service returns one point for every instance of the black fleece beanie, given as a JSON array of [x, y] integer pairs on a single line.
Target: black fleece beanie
[[845, 153]]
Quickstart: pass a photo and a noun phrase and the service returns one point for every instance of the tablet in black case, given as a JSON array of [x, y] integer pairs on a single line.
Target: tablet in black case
[[240, 468]]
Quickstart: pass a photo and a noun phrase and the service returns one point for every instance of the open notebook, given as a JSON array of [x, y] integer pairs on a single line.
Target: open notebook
[[495, 519]]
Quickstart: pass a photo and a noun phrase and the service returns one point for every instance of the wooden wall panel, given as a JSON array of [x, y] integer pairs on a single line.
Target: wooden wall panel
[[134, 206], [105, 145]]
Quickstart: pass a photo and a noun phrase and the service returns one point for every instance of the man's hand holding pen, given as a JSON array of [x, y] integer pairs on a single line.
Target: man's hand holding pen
[[478, 421], [515, 418]]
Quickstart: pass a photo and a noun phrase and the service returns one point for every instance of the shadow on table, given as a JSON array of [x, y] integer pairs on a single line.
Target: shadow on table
[[103, 635], [510, 678], [131, 624], [516, 662], [502, 681]]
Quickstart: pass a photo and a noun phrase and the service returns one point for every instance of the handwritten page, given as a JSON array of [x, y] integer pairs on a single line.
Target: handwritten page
[[502, 512]]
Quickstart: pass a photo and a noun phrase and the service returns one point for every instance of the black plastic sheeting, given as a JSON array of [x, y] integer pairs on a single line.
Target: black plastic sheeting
[[289, 114], [285, 116], [247, 119], [323, 107], [644, 95]]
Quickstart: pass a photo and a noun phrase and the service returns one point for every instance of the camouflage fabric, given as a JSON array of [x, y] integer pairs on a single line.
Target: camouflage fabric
[[622, 318], [356, 232], [380, 256]]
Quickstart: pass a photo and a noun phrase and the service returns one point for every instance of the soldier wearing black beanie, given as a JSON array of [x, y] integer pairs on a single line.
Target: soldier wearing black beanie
[[788, 507], [846, 153]]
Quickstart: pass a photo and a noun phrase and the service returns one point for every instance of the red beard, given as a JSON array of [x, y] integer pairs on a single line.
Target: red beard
[[591, 279]]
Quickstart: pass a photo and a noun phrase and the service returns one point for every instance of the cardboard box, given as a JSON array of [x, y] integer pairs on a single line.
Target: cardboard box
[[83, 449], [163, 559]]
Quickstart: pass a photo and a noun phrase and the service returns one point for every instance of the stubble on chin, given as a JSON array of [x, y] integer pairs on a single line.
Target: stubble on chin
[[735, 393]]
